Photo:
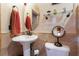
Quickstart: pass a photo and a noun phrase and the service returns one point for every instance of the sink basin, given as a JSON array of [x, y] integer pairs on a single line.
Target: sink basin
[[25, 40]]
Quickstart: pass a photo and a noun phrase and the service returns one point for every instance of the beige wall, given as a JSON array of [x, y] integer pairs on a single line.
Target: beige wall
[[45, 26], [5, 12], [68, 39], [0, 18], [5, 19], [0, 28], [5, 15], [7, 46], [45, 6], [77, 18]]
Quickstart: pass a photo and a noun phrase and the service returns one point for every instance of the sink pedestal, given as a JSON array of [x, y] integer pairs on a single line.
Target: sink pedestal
[[26, 48], [26, 41]]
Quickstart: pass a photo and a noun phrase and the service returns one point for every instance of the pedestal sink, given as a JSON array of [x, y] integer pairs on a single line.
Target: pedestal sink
[[25, 40]]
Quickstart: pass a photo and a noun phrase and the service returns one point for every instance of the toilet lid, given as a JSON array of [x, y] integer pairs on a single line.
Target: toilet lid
[[52, 46]]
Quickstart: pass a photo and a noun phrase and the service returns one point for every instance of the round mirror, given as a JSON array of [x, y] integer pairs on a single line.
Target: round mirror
[[58, 31]]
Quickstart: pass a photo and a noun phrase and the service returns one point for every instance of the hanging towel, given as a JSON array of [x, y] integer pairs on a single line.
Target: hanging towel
[[28, 23], [14, 22]]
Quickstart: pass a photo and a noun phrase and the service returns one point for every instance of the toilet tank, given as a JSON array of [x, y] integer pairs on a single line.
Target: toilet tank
[[52, 50]]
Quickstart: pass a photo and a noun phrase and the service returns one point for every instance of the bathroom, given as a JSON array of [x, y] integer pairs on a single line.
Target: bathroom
[[43, 20]]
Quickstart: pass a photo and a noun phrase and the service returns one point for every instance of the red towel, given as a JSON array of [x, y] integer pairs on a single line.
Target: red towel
[[15, 22], [28, 23]]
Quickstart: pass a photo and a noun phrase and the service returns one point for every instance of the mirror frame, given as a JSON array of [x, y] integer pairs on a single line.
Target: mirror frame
[[58, 36], [38, 15]]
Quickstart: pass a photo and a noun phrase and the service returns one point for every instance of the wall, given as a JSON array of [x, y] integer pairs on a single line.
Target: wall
[[5, 15], [0, 28], [77, 18], [5, 38], [5, 20], [6, 41], [44, 7], [6, 9], [45, 26], [44, 33], [0, 18], [68, 39]]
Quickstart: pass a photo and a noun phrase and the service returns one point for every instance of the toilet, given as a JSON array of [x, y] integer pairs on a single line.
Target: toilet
[[52, 50]]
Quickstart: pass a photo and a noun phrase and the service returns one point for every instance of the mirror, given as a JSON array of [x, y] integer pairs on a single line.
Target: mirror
[[35, 19], [58, 32]]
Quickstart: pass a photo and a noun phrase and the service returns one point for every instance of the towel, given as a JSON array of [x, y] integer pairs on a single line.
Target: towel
[[28, 23], [14, 22]]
